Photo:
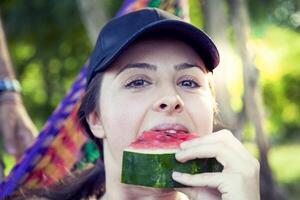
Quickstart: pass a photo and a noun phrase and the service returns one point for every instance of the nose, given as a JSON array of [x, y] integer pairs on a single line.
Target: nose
[[169, 104]]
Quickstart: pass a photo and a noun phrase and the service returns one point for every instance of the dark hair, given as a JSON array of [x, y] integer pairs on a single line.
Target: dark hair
[[88, 105]]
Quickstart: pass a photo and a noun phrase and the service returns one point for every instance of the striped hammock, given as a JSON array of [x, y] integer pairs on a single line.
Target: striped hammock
[[58, 148]]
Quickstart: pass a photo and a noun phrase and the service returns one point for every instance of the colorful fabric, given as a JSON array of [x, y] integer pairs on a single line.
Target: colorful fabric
[[55, 150], [58, 147]]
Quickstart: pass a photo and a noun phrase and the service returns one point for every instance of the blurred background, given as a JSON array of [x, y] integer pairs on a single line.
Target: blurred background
[[257, 83]]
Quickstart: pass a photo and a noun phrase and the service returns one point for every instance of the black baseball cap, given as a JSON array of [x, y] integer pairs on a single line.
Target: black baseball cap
[[122, 31]]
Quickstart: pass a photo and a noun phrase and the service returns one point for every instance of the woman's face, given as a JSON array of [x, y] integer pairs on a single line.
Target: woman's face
[[158, 83]]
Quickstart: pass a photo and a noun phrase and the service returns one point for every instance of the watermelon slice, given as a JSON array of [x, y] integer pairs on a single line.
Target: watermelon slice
[[150, 160]]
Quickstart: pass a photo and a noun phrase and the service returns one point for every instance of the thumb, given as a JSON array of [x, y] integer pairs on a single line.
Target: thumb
[[195, 193], [188, 192]]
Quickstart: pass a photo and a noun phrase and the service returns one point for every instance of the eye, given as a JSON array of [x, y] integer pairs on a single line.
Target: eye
[[138, 83], [189, 84]]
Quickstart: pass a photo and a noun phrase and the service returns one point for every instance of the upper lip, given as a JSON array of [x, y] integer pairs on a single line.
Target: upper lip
[[170, 126]]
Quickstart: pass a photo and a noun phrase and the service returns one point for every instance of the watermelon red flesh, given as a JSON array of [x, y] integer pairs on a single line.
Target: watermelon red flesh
[[161, 140], [150, 160]]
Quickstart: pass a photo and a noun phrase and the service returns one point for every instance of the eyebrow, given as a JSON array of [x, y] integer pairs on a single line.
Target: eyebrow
[[183, 66], [138, 65], [152, 67]]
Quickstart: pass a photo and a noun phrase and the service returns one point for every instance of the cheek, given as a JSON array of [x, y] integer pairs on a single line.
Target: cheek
[[201, 111], [122, 116]]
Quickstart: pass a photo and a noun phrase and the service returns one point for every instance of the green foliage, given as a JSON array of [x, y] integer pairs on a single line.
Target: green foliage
[[9, 162], [112, 6], [196, 15], [48, 46], [280, 156], [285, 165], [279, 12], [278, 60]]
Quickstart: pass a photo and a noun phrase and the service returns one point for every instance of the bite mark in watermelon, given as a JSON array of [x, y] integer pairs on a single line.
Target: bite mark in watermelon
[[150, 160]]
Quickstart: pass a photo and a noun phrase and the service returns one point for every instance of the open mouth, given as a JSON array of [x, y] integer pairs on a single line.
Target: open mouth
[[171, 128]]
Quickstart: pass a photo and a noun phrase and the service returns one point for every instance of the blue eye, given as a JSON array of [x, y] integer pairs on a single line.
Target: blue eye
[[189, 84], [138, 83]]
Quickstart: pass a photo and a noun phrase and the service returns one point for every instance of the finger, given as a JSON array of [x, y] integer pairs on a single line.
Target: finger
[[212, 180], [209, 138], [226, 156], [200, 193], [225, 137], [230, 185]]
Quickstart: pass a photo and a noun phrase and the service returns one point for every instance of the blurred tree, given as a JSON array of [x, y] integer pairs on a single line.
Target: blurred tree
[[48, 45], [216, 25], [281, 65], [252, 97], [94, 15], [279, 56], [280, 12], [252, 108]]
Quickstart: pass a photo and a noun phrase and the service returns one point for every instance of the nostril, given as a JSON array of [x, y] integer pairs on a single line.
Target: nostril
[[162, 106], [177, 107]]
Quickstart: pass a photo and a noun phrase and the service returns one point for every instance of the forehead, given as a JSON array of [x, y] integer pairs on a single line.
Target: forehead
[[158, 51]]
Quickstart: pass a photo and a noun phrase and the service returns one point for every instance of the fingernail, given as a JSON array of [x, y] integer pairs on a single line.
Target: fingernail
[[175, 175], [178, 155]]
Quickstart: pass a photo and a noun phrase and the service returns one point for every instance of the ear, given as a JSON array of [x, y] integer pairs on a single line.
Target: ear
[[95, 124]]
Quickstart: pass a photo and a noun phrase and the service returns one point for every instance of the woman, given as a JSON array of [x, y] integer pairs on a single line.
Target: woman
[[150, 70]]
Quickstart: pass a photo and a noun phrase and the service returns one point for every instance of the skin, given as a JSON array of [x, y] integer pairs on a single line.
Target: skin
[[130, 102], [17, 129]]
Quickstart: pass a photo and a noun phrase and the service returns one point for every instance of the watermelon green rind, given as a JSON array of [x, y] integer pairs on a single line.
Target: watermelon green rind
[[155, 170]]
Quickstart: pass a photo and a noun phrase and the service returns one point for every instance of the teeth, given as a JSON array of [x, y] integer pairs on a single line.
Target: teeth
[[171, 131]]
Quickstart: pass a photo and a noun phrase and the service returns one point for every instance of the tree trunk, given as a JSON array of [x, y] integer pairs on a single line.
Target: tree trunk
[[216, 25], [252, 97], [5, 72], [94, 16]]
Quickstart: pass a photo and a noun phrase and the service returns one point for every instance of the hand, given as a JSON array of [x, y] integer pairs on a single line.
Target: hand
[[16, 126], [239, 178]]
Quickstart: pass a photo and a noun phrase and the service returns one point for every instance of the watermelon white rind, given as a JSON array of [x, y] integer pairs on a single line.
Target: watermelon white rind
[[153, 167]]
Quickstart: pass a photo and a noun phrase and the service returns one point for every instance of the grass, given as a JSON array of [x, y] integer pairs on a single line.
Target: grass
[[9, 163], [285, 164]]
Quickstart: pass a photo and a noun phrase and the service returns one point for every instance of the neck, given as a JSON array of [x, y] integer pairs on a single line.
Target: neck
[[115, 190]]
